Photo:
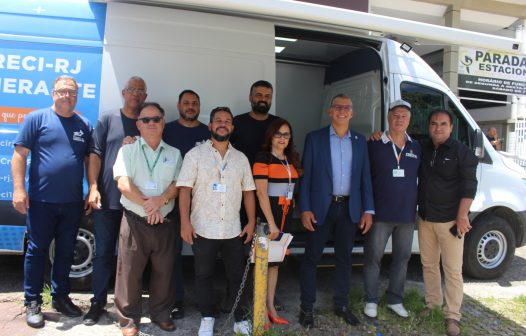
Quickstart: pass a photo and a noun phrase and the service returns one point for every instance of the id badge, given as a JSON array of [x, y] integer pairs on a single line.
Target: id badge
[[150, 185], [398, 173], [219, 187], [289, 195]]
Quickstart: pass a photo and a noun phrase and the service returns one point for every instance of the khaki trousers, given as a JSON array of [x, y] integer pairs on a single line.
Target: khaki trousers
[[138, 243], [438, 244]]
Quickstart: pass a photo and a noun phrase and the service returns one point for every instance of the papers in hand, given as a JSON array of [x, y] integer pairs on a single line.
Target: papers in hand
[[277, 249]]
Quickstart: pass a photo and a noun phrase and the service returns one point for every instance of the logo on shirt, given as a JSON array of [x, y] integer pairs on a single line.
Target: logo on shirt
[[411, 154], [78, 136]]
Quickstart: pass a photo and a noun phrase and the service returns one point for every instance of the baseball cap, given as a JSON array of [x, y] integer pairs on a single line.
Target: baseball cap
[[399, 103]]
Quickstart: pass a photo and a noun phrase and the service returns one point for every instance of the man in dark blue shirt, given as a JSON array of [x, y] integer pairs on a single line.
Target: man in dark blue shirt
[[183, 134], [58, 140], [394, 171], [104, 197]]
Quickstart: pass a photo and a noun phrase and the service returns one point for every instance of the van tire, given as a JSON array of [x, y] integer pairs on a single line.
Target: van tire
[[489, 248], [82, 267]]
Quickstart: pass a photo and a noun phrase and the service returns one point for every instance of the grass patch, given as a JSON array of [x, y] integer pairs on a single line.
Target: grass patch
[[46, 296], [512, 311], [420, 320]]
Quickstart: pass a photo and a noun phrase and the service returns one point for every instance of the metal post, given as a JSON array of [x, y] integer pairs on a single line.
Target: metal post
[[260, 279]]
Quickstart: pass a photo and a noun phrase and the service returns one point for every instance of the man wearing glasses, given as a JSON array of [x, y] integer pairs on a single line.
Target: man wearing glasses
[[213, 178], [58, 140], [146, 172], [104, 196], [336, 196]]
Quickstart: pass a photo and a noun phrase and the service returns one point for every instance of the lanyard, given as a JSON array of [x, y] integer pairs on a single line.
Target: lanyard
[[287, 167], [151, 168], [397, 156], [220, 167]]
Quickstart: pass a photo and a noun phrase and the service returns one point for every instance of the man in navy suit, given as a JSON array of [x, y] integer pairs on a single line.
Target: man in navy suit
[[336, 196]]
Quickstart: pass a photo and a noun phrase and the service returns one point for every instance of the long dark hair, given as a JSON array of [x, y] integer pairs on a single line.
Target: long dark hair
[[290, 151]]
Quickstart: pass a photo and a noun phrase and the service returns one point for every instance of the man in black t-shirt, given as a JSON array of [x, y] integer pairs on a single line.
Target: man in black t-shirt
[[113, 127], [184, 134], [250, 127]]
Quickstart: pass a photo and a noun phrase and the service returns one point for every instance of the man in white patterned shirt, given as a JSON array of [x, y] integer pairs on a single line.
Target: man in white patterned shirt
[[214, 178]]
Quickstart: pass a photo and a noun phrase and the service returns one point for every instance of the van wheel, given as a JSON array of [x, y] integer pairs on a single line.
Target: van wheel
[[82, 267], [489, 248]]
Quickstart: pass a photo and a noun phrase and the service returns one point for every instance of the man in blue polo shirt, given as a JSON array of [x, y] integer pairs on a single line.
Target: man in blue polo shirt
[[58, 140], [394, 171]]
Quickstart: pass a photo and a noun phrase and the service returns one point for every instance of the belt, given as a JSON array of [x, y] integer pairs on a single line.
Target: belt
[[339, 198]]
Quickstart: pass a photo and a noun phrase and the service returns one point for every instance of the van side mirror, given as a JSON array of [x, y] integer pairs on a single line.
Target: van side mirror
[[477, 145]]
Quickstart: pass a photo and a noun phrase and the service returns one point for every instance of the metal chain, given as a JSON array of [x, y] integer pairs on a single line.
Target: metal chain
[[241, 287]]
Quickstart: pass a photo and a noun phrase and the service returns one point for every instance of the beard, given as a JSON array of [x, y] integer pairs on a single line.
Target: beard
[[187, 117], [220, 138], [260, 107]]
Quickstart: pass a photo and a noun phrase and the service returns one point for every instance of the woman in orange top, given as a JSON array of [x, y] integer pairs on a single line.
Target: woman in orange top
[[275, 173]]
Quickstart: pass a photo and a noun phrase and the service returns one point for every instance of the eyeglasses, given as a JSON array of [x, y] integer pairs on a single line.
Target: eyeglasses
[[345, 108], [146, 120], [278, 135], [66, 92], [133, 90]]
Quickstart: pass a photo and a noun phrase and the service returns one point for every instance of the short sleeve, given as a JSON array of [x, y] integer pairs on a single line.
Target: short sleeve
[[120, 168], [260, 169], [188, 172], [29, 131]]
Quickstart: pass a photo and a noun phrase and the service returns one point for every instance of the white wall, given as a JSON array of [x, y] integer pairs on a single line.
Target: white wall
[[217, 56]]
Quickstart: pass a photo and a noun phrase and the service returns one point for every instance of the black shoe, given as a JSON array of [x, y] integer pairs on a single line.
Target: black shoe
[[66, 307], [306, 318], [94, 313], [346, 315], [278, 305], [177, 311]]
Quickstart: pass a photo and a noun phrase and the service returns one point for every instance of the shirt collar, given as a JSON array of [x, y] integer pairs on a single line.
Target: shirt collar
[[385, 137], [143, 143], [333, 132]]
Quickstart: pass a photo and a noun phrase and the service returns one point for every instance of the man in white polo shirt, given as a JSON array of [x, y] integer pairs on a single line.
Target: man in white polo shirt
[[146, 173]]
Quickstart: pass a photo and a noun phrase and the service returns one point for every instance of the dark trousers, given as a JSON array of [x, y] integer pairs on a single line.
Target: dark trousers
[[375, 241], [339, 223], [138, 243], [45, 222], [106, 224], [178, 260], [205, 255]]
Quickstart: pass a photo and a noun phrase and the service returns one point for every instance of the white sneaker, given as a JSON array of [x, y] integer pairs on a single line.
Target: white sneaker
[[242, 328], [371, 309], [207, 326], [399, 309]]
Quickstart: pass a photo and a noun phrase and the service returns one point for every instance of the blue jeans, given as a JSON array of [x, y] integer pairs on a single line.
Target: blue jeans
[[45, 222], [339, 223], [375, 241], [106, 224]]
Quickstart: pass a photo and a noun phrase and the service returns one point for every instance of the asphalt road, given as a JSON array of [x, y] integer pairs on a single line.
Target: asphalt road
[[12, 318]]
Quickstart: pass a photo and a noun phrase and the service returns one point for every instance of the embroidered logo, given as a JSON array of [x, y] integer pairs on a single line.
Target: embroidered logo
[[78, 136], [411, 154]]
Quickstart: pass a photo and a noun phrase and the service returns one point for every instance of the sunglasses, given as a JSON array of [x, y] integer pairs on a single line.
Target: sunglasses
[[146, 120]]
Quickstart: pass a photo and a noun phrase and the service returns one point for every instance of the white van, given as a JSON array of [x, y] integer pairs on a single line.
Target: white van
[[220, 48]]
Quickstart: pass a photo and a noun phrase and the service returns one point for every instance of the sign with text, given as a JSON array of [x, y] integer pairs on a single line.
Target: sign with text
[[491, 71]]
